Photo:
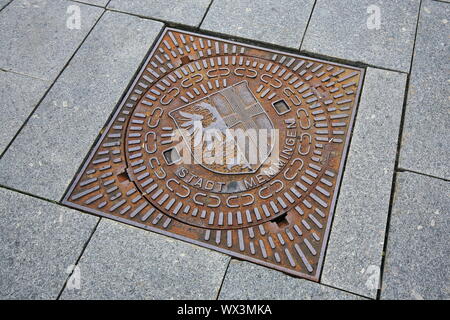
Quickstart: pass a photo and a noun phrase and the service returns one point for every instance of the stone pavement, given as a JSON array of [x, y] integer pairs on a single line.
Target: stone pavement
[[59, 83]]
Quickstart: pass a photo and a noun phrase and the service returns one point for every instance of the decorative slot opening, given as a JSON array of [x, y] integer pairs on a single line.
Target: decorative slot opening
[[281, 107], [281, 220], [171, 156]]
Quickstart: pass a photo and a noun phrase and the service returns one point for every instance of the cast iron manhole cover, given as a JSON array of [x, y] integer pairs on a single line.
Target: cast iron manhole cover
[[283, 123]]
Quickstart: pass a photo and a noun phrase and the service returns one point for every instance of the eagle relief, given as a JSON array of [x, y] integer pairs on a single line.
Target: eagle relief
[[227, 132]]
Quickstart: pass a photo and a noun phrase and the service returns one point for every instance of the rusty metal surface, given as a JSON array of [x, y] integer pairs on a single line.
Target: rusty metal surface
[[275, 216]]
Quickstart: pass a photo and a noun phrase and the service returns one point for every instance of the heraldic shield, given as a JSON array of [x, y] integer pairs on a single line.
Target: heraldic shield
[[227, 132]]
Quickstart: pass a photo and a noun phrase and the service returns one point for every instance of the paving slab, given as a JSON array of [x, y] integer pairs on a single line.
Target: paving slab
[[281, 22], [39, 241], [417, 264], [35, 38], [248, 281], [355, 247], [426, 130], [187, 12], [4, 3], [101, 3], [123, 262], [19, 95], [73, 112], [340, 29]]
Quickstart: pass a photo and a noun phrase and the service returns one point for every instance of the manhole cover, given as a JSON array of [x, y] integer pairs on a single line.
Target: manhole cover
[[228, 146]]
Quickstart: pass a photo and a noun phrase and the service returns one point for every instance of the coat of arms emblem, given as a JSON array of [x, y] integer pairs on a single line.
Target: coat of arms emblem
[[227, 132]]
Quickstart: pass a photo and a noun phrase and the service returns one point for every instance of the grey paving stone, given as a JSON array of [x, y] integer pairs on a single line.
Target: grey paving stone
[[123, 262], [35, 38], [339, 28], [101, 3], [19, 95], [426, 130], [355, 248], [48, 151], [247, 281], [4, 3], [417, 262], [281, 22], [188, 12], [38, 242]]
